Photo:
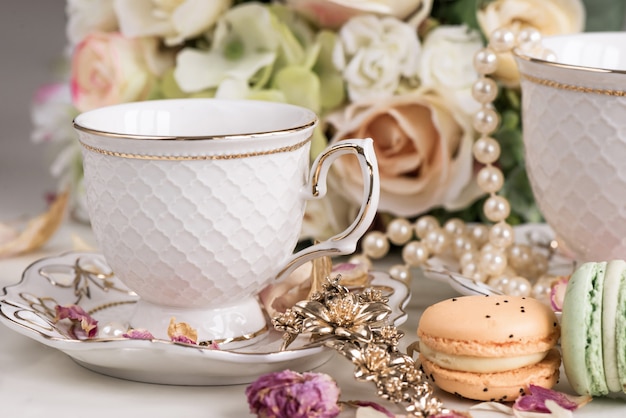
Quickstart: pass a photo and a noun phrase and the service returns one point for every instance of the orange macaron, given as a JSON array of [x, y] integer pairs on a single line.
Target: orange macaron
[[489, 348]]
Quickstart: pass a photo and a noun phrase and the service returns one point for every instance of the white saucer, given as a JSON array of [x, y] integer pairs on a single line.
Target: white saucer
[[538, 235], [28, 308]]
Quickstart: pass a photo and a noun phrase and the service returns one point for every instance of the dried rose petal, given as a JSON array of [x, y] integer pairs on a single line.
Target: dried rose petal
[[138, 334], [557, 294], [76, 314], [288, 394], [182, 339], [536, 400], [182, 332]]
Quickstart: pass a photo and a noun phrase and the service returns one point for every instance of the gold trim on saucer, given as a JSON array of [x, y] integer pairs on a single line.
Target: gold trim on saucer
[[244, 337], [289, 148], [573, 87]]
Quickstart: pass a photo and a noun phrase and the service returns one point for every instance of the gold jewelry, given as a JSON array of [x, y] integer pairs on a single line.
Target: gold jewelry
[[484, 253], [354, 325]]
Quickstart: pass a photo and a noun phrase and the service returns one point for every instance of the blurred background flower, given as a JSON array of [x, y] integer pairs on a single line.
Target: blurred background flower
[[399, 71]]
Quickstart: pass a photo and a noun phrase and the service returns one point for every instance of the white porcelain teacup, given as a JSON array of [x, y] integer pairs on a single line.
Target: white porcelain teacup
[[197, 204], [574, 126]]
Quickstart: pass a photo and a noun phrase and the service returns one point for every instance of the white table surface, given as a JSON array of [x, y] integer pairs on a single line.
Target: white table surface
[[38, 381]]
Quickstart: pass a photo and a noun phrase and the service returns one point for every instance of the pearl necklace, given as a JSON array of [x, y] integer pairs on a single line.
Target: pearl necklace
[[484, 253]]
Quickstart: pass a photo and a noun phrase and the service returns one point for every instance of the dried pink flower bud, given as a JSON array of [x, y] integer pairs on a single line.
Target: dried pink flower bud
[[182, 332], [138, 334], [536, 400], [289, 394], [557, 294], [182, 339], [76, 314]]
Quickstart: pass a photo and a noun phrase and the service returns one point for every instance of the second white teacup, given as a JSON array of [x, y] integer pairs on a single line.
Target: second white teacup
[[197, 204]]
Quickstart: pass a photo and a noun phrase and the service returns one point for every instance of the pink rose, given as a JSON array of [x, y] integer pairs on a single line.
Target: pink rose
[[424, 152], [334, 13], [108, 68]]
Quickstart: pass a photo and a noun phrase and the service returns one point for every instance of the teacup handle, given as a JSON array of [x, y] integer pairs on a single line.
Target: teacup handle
[[346, 241]]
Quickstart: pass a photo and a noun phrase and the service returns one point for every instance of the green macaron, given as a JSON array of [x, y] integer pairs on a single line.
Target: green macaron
[[581, 330], [593, 329]]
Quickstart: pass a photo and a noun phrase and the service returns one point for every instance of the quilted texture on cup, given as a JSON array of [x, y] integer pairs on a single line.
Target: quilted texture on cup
[[575, 157], [196, 233]]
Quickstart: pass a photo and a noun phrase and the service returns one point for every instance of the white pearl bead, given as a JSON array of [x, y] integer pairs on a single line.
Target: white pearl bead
[[462, 244], [492, 263], [517, 286], [437, 241], [485, 61], [484, 90], [529, 35], [501, 235], [519, 256], [424, 224], [112, 330], [469, 269], [502, 40], [486, 150], [490, 179], [399, 231], [361, 259], [467, 258], [548, 55], [375, 244], [542, 287], [498, 282], [486, 120], [479, 233], [400, 272], [496, 208], [454, 226], [415, 253]]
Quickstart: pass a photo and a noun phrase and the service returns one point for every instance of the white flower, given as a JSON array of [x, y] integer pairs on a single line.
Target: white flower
[[173, 20], [446, 64], [375, 55], [86, 16], [245, 41], [51, 112]]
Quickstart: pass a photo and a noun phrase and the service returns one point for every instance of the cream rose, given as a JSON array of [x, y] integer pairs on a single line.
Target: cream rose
[[446, 64], [334, 13], [375, 55], [550, 17], [424, 152], [86, 16], [173, 20], [108, 68]]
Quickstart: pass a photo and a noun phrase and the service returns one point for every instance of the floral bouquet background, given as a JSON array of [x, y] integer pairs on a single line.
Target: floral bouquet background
[[398, 71]]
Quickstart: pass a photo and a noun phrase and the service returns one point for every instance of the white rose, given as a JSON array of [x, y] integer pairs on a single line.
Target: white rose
[[550, 17], [334, 13], [375, 54], [446, 64], [175, 21], [86, 16]]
